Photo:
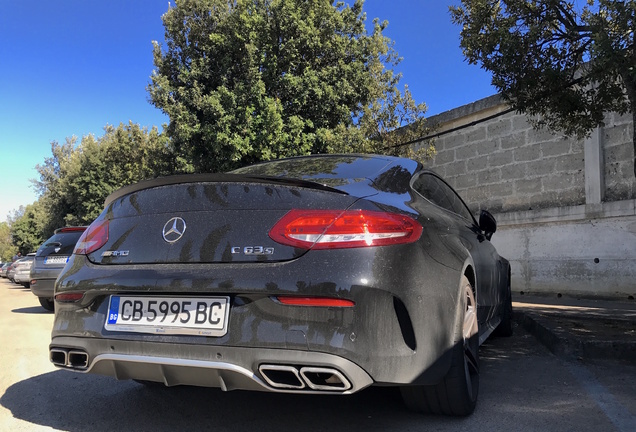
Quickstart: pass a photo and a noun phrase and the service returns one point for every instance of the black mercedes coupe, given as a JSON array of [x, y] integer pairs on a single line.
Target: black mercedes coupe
[[313, 275]]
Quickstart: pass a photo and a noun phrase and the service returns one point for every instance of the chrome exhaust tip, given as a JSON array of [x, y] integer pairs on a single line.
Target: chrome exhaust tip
[[77, 359], [58, 357], [282, 377], [328, 379]]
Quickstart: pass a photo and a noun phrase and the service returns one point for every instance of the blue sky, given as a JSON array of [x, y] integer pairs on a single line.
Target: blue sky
[[70, 67]]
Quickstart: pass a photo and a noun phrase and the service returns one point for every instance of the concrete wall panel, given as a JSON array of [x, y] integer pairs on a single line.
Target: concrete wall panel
[[566, 207]]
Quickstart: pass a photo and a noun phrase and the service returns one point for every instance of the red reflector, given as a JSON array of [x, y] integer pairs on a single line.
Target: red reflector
[[95, 236], [68, 297], [315, 301], [336, 229]]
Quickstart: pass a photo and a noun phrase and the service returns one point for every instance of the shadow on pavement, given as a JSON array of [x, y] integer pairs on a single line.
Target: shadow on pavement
[[517, 390], [32, 310], [579, 328], [67, 401], [18, 287]]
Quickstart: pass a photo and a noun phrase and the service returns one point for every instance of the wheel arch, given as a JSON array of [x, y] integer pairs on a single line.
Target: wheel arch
[[469, 272]]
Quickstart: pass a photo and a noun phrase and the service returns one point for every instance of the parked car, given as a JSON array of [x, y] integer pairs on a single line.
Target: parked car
[[321, 274], [50, 259], [3, 269], [22, 270], [11, 269]]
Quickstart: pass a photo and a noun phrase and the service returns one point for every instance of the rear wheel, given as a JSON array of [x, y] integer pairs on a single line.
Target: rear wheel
[[47, 303], [457, 393]]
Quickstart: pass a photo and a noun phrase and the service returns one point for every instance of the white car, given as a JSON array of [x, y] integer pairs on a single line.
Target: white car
[[23, 270]]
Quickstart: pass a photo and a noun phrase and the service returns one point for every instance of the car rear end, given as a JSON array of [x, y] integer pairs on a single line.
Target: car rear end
[[4, 269], [249, 283], [50, 260], [11, 269], [22, 274]]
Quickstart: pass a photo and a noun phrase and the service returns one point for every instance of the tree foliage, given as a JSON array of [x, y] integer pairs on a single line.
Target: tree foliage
[[7, 248], [27, 228], [76, 178], [566, 63], [250, 80]]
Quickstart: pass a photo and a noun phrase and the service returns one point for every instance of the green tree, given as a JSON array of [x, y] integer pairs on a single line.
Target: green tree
[[566, 63], [27, 227], [250, 80], [76, 178], [7, 248]]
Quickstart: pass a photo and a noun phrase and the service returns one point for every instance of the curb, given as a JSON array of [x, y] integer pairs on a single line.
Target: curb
[[563, 344]]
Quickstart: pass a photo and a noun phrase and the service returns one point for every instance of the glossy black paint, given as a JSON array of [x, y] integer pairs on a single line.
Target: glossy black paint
[[406, 296]]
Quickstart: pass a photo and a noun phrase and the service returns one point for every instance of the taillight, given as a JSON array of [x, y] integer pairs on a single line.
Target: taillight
[[336, 229], [95, 236]]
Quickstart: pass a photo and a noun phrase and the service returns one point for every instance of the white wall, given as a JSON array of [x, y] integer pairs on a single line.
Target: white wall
[[584, 251]]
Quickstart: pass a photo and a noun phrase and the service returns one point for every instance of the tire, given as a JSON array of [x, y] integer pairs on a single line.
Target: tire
[[504, 329], [457, 393], [47, 303]]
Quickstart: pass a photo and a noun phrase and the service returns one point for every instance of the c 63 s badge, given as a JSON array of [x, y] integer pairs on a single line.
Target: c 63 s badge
[[253, 250], [122, 253]]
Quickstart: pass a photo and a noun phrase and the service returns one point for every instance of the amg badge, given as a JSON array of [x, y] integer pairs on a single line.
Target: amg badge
[[115, 253]]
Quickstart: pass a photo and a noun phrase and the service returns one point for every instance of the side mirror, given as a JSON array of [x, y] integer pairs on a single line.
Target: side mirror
[[487, 224]]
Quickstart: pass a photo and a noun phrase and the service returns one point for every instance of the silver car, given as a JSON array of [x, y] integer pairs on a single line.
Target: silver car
[[22, 273], [4, 269]]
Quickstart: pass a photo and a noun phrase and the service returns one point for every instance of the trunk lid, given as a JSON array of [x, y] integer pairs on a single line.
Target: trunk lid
[[215, 220]]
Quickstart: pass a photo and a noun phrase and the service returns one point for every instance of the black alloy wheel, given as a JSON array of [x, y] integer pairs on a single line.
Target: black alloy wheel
[[457, 393]]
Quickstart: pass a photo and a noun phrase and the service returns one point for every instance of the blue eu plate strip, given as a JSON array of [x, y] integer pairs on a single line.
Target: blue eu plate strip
[[113, 311]]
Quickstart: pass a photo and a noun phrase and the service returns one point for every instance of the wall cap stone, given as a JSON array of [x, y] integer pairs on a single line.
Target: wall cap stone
[[468, 113], [566, 214]]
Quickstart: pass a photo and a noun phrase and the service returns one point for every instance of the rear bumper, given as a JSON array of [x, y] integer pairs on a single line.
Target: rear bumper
[[44, 280], [400, 330], [22, 277], [43, 287], [228, 368]]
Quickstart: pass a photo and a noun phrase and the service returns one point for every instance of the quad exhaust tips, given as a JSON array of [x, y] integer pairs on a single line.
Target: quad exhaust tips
[[306, 377], [68, 358]]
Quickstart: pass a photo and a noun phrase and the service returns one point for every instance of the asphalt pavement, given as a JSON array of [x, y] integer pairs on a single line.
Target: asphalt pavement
[[575, 328], [523, 387]]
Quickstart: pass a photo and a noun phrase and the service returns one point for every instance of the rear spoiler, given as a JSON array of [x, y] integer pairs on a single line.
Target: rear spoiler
[[216, 178]]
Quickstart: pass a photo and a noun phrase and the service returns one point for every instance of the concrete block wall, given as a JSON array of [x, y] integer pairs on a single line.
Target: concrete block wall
[[620, 182], [565, 208], [505, 165]]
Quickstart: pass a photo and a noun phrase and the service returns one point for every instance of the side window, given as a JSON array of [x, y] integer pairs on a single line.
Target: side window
[[456, 202], [438, 192], [429, 187]]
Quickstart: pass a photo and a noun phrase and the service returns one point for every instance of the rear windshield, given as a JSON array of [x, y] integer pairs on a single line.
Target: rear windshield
[[61, 243], [64, 239]]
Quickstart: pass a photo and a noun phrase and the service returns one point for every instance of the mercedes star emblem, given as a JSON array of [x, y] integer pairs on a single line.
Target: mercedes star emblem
[[173, 229]]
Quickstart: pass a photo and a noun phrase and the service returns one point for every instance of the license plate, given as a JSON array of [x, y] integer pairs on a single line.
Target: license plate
[[205, 316], [55, 260]]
